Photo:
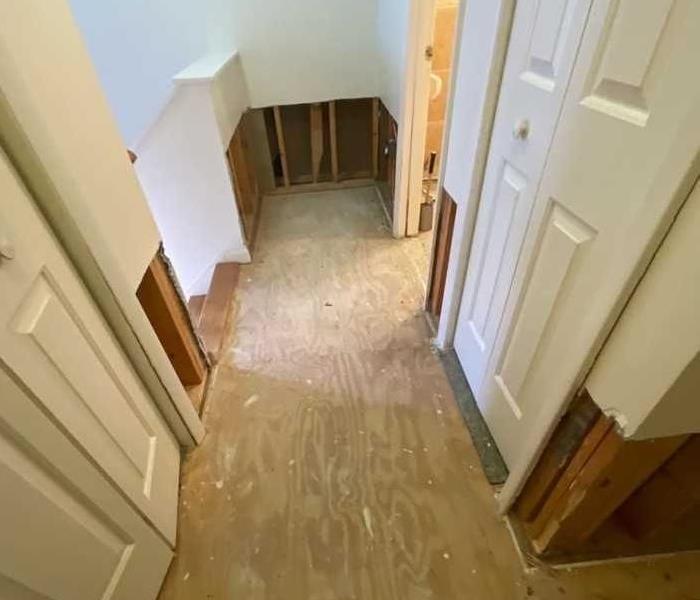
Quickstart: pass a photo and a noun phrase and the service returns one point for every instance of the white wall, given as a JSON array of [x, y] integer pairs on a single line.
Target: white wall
[[77, 135], [392, 23], [306, 50], [183, 171], [137, 47], [648, 373]]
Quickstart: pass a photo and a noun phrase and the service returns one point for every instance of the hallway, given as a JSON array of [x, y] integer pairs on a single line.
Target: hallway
[[336, 464]]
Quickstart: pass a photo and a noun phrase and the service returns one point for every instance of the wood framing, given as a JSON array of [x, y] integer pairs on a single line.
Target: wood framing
[[316, 123], [281, 145], [561, 450], [170, 320], [375, 137], [245, 182], [334, 139], [215, 312], [321, 143], [441, 249], [666, 498], [589, 473]]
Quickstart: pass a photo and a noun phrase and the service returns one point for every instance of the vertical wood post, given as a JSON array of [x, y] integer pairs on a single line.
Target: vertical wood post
[[280, 143], [316, 120], [375, 137], [334, 140]]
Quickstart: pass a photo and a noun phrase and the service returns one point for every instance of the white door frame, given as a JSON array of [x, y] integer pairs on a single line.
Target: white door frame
[[413, 115], [33, 103], [467, 207]]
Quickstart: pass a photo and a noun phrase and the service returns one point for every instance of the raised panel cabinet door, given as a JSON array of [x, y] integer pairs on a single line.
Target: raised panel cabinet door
[[543, 45], [56, 341], [66, 533], [625, 144]]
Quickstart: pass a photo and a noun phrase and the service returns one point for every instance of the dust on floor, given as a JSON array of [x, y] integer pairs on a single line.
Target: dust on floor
[[336, 464]]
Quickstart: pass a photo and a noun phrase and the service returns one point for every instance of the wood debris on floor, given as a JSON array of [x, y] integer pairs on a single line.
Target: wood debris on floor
[[337, 465]]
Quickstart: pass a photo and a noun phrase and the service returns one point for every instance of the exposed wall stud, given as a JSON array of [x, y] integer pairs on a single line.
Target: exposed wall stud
[[280, 142], [316, 139], [334, 140], [375, 137]]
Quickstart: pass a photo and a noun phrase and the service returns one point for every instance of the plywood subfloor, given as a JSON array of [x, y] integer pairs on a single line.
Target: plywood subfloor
[[337, 465]]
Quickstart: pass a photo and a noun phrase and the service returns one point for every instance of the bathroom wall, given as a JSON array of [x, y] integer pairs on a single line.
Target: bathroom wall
[[446, 13]]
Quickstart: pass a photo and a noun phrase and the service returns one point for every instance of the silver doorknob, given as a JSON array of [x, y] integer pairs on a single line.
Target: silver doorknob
[[521, 129], [7, 251]]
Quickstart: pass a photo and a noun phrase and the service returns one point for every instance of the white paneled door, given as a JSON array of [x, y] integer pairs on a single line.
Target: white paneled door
[[618, 166], [56, 345], [65, 532], [542, 49]]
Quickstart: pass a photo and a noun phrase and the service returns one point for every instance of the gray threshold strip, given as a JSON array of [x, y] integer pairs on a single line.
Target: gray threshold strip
[[491, 461]]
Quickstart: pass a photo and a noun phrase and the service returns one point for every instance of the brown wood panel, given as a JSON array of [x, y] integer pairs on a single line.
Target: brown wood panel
[[212, 326], [245, 183], [443, 236], [195, 305], [557, 497], [560, 451], [672, 493], [170, 321], [614, 471]]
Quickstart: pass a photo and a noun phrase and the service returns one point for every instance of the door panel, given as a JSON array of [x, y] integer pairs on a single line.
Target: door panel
[[66, 533], [623, 73], [541, 52], [102, 409], [57, 342], [626, 141], [564, 241]]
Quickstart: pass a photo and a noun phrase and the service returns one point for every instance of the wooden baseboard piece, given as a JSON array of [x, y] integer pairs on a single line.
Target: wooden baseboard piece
[[325, 186], [215, 312]]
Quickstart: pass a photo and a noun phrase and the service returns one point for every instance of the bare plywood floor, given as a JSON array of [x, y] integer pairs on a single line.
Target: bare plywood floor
[[337, 465]]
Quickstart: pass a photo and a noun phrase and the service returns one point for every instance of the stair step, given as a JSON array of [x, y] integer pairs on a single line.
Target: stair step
[[214, 314], [195, 305]]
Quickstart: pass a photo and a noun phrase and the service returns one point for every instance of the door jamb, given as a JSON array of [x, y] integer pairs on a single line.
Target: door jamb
[[468, 200], [413, 119]]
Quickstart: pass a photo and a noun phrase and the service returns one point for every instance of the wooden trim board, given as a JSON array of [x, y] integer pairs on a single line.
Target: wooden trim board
[[561, 450], [212, 327], [334, 139], [443, 242], [323, 186], [171, 322]]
